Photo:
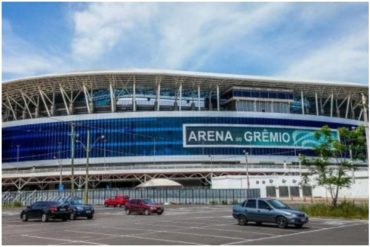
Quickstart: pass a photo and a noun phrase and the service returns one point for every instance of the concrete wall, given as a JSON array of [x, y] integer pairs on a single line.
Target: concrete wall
[[359, 188]]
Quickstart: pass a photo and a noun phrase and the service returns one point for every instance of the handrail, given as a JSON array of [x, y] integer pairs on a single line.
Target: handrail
[[138, 167]]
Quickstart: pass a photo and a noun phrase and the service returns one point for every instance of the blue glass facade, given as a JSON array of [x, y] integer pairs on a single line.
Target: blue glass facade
[[129, 137]]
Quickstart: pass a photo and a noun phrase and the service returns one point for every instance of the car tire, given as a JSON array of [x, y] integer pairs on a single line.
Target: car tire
[[282, 222], [90, 217], [24, 217], [72, 216], [160, 213], [146, 212], [44, 217], [242, 220], [259, 223], [64, 219], [298, 225], [128, 211], [114, 205]]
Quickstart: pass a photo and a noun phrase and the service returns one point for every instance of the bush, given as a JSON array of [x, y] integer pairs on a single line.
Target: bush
[[14, 204], [345, 210], [213, 202], [223, 202]]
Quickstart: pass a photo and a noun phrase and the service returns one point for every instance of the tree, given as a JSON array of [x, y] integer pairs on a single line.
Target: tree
[[335, 158]]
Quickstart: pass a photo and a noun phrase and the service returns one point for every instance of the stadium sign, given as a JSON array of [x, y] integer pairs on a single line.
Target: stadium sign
[[222, 135]]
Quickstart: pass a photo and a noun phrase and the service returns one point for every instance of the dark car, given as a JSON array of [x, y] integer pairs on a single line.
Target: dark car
[[46, 210], [144, 206], [78, 208], [270, 211]]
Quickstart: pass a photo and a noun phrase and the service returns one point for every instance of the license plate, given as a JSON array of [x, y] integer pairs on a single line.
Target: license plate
[[88, 211], [62, 209]]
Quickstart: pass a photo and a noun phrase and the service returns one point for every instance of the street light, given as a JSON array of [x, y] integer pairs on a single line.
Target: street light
[[246, 167], [88, 149]]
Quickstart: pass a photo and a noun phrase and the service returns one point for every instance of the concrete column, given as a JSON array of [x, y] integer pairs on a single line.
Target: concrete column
[[198, 97], [317, 104], [158, 96], [180, 96], [218, 97], [302, 102], [134, 95]]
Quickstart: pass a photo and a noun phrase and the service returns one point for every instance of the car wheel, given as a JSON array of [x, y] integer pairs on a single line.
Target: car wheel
[[160, 213], [114, 205], [258, 223], [128, 211], [90, 216], [65, 219], [44, 217], [120, 205], [298, 225], [242, 220], [146, 212], [72, 216], [24, 217], [282, 222]]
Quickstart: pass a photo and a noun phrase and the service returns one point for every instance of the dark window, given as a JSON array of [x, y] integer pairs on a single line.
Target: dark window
[[263, 205], [251, 204]]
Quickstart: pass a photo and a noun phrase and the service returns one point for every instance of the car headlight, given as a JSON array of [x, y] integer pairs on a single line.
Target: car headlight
[[289, 214], [80, 208]]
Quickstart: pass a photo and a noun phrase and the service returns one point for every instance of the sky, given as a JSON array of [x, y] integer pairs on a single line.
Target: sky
[[308, 41]]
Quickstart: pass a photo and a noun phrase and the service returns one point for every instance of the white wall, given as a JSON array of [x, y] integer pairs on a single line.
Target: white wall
[[359, 188]]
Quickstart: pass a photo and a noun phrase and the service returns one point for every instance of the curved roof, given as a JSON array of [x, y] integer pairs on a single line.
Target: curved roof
[[168, 79]]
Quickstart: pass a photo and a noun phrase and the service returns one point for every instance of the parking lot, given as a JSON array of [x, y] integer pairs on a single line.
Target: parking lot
[[179, 225]]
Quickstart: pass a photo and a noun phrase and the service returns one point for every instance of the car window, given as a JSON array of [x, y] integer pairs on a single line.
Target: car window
[[263, 205], [148, 201], [278, 204], [251, 204], [35, 205]]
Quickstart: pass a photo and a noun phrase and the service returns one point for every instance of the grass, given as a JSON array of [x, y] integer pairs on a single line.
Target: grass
[[15, 204], [345, 209]]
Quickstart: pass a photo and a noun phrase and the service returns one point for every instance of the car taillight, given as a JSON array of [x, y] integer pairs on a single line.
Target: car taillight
[[53, 210]]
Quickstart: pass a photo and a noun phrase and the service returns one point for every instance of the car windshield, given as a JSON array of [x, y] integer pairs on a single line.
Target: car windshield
[[278, 204], [76, 202], [148, 201]]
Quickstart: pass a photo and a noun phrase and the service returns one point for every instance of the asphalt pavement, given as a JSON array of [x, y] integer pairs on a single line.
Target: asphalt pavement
[[179, 225]]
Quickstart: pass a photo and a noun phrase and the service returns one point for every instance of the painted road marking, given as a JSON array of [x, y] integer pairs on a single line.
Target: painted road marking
[[291, 234], [137, 236], [59, 239]]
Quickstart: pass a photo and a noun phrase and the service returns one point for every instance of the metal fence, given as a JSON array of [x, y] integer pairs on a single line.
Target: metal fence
[[163, 195]]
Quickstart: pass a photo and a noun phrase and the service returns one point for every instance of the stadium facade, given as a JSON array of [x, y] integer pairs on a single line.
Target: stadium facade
[[130, 126]]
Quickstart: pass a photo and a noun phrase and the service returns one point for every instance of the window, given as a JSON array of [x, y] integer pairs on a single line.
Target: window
[[251, 204], [263, 205]]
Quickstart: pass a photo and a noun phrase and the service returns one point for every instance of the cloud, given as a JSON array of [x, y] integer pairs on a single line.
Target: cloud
[[99, 27], [22, 58], [345, 58]]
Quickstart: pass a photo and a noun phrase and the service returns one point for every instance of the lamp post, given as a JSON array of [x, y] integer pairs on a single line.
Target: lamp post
[[88, 149], [18, 152], [61, 167], [246, 167]]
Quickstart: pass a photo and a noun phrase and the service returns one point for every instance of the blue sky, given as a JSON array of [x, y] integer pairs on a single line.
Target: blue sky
[[323, 41]]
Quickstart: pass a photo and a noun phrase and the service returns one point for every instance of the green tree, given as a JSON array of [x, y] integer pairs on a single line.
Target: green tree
[[333, 164]]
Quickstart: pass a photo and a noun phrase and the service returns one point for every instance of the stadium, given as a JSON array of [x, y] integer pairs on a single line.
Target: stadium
[[133, 125]]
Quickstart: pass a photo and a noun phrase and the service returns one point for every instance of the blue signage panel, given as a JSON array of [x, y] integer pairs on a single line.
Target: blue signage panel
[[218, 135]]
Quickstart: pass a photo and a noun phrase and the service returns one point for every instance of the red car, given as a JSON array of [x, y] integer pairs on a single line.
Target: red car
[[144, 206], [118, 200]]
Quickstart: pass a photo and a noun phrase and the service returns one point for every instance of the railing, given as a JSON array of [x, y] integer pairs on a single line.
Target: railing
[[161, 195], [154, 167]]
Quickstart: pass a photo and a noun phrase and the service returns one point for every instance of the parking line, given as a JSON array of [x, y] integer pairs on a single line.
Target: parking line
[[59, 239], [290, 234], [139, 237]]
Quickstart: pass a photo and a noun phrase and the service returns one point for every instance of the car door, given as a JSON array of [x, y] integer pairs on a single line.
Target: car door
[[265, 212], [31, 212], [251, 209]]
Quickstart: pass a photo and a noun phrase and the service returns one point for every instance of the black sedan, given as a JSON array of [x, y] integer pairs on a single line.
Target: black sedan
[[46, 210], [79, 209]]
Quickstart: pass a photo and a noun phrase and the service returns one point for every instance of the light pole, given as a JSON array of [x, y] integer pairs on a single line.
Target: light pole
[[18, 152], [246, 167], [73, 138], [88, 149], [61, 167], [363, 98]]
